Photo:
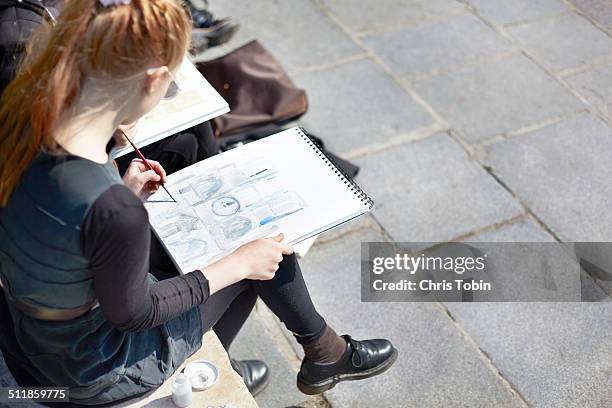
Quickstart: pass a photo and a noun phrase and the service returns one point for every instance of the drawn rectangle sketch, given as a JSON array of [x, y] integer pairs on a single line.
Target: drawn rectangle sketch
[[219, 211]]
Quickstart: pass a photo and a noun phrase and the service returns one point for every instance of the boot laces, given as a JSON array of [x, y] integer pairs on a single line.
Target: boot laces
[[357, 346]]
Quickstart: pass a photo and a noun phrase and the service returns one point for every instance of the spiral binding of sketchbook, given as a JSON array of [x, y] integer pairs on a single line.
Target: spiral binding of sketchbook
[[348, 180]]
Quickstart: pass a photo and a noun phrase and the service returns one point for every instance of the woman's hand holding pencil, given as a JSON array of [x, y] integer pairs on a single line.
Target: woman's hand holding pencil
[[140, 172], [142, 179]]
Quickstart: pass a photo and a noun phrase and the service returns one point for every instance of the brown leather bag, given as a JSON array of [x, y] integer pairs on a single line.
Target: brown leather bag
[[257, 89]]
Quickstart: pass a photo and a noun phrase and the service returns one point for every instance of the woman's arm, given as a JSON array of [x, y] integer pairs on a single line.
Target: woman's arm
[[115, 237]]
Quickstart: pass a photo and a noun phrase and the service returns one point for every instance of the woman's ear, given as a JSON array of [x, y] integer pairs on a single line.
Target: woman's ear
[[155, 80], [151, 90]]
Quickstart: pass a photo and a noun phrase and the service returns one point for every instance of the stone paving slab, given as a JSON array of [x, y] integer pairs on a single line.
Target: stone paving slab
[[598, 10], [296, 32], [440, 44], [436, 365], [598, 254], [596, 86], [505, 12], [497, 97], [521, 338], [430, 191], [255, 342], [555, 354], [524, 229], [380, 14], [563, 176], [555, 43], [367, 110]]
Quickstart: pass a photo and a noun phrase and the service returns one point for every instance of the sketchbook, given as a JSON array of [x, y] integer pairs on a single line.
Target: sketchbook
[[281, 183], [194, 101]]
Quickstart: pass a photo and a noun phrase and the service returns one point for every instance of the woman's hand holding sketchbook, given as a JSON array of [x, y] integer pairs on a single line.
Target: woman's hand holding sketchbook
[[255, 260], [259, 259], [282, 183]]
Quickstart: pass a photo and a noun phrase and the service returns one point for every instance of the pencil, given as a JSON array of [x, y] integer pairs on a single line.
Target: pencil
[[140, 155]]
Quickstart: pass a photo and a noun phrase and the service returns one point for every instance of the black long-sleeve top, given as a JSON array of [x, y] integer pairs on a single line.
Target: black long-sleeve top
[[116, 238]]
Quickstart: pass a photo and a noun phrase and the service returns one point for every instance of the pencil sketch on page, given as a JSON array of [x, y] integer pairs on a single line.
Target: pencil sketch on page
[[218, 211]]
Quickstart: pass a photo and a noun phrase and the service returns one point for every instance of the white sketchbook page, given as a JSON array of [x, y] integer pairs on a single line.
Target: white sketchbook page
[[196, 103], [280, 179]]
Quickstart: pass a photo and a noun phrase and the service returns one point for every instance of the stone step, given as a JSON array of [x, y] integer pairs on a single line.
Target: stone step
[[229, 391]]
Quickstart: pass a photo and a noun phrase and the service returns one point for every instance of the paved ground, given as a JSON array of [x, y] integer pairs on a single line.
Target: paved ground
[[474, 119]]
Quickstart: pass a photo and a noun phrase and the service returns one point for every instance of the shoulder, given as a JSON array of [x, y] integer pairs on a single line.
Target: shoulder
[[118, 203], [116, 224], [67, 187], [115, 218]]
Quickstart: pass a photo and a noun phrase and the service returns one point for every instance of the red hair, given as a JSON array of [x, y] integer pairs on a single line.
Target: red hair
[[87, 40]]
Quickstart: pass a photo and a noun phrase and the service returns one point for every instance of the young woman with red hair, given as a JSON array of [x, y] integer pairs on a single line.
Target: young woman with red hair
[[76, 266]]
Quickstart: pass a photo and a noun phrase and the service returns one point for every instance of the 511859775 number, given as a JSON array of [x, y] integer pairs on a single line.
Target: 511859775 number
[[41, 394]]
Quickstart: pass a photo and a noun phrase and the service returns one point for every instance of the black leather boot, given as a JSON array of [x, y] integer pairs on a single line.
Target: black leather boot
[[255, 374], [362, 359]]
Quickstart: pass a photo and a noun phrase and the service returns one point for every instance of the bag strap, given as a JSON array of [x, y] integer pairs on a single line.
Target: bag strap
[[31, 5], [26, 4]]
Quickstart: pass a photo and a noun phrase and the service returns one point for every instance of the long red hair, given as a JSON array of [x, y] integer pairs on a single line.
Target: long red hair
[[88, 39]]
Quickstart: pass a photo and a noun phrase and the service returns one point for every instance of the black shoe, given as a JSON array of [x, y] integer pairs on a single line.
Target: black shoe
[[215, 31], [255, 374], [362, 359]]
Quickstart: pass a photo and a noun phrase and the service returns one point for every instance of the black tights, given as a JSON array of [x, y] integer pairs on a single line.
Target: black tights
[[226, 311]]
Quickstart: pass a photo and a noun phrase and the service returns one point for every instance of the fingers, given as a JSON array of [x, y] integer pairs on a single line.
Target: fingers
[[270, 272], [150, 176], [158, 169], [138, 164], [286, 249], [280, 246], [279, 237], [152, 187]]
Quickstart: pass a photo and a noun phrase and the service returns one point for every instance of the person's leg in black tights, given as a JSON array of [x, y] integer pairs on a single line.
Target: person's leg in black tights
[[226, 311], [230, 323], [208, 144], [329, 358], [286, 295]]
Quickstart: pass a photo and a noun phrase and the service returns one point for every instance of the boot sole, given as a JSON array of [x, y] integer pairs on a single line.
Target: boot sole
[[329, 383]]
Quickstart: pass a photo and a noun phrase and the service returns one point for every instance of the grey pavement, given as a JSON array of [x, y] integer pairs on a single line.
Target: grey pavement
[[483, 120]]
